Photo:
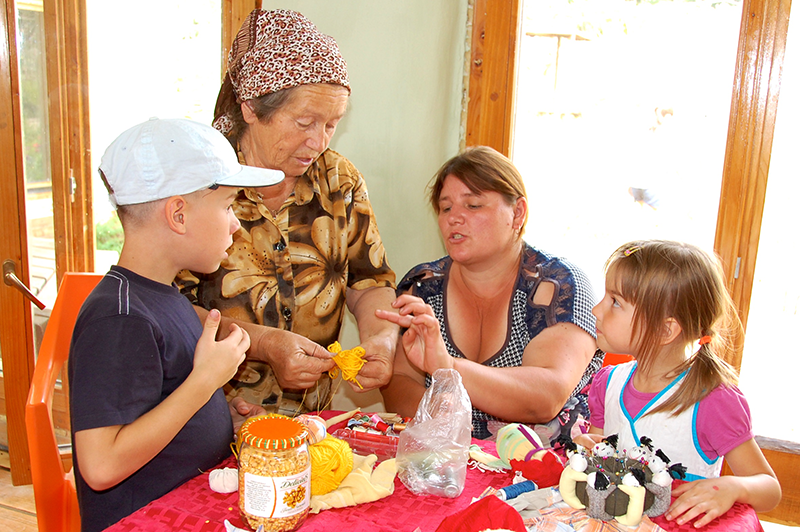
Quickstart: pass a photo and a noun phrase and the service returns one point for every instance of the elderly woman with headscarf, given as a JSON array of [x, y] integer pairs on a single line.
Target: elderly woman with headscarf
[[309, 245]]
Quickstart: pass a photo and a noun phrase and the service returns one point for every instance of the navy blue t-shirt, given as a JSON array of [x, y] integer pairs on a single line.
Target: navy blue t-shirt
[[133, 345]]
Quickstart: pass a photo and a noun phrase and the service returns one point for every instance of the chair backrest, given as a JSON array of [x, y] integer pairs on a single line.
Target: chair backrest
[[54, 489], [612, 359]]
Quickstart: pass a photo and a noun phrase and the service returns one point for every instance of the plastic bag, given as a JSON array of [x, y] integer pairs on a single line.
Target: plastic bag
[[433, 450]]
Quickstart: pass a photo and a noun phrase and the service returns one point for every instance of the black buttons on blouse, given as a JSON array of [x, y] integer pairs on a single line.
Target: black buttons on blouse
[[280, 246], [287, 313]]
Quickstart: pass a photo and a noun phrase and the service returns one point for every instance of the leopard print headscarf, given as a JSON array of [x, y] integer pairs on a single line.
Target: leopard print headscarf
[[276, 50]]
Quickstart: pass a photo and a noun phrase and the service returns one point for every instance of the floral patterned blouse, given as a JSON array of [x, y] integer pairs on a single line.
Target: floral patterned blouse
[[291, 270]]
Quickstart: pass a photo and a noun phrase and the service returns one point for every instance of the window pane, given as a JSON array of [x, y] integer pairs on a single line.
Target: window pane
[[155, 58], [622, 115], [36, 160], [771, 359]]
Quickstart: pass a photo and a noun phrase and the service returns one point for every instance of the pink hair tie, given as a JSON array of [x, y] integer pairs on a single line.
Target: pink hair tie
[[705, 340]]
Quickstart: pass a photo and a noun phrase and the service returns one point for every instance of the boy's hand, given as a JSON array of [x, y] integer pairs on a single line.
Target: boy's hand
[[217, 362], [711, 496], [241, 410]]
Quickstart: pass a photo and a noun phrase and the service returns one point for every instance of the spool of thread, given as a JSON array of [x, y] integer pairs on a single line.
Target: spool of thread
[[331, 461], [514, 490], [379, 424]]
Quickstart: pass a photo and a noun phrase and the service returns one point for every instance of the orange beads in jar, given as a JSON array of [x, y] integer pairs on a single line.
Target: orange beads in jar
[[274, 473]]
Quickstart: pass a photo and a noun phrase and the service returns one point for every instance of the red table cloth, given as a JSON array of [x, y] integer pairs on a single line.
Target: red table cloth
[[194, 507]]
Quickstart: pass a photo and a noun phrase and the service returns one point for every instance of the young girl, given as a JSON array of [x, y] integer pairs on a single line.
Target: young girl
[[666, 305]]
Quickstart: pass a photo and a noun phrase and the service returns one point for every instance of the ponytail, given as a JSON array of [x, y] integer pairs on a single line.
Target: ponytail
[[706, 371]]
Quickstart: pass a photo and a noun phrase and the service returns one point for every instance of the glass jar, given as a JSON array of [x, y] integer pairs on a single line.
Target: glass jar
[[274, 473]]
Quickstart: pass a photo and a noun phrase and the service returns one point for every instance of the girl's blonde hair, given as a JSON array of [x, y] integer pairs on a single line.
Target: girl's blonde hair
[[662, 280]]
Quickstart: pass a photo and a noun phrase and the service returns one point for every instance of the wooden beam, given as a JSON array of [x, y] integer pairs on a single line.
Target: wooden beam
[[756, 87], [784, 458], [493, 65], [233, 14], [70, 159]]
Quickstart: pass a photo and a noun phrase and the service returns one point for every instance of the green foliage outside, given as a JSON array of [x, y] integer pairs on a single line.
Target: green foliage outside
[[109, 235]]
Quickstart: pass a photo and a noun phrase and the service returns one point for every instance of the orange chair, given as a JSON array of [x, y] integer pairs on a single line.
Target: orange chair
[[612, 359], [53, 489]]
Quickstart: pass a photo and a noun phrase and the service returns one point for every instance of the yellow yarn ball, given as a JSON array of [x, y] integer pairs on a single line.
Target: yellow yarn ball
[[331, 461]]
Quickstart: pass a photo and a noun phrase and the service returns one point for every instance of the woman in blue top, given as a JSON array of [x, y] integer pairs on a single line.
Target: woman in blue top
[[514, 321]]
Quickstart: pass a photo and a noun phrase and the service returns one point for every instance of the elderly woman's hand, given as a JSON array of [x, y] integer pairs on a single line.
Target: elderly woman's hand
[[296, 361], [379, 354], [422, 341]]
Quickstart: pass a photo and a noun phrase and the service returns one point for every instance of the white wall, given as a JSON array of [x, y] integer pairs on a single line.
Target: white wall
[[405, 61]]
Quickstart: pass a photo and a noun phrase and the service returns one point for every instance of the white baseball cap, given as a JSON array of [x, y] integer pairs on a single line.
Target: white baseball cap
[[170, 157]]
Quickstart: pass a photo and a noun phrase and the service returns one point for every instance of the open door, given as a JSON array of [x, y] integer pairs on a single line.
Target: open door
[[47, 174], [46, 214]]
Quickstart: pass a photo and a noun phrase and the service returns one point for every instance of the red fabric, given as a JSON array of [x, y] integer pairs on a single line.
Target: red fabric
[[545, 472], [487, 513], [193, 507], [740, 518]]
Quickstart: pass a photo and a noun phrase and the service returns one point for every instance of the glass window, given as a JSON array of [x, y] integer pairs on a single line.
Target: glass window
[[160, 58], [621, 122]]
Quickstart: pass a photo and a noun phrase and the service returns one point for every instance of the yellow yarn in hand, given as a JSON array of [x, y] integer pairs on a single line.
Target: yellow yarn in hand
[[331, 461], [349, 361]]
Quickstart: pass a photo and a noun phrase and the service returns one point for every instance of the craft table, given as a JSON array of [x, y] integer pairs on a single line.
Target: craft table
[[194, 507]]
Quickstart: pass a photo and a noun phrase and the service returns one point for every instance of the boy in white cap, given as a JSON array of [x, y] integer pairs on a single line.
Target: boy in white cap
[[147, 408]]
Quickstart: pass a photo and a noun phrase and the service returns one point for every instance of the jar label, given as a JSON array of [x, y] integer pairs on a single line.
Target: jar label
[[276, 497]]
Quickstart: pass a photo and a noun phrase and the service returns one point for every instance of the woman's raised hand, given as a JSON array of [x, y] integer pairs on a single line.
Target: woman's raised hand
[[422, 341]]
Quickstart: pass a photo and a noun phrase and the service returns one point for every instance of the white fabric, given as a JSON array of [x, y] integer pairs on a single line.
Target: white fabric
[[675, 436]]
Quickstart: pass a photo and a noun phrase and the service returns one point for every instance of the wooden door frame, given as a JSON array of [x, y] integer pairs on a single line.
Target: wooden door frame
[[70, 153], [14, 308], [67, 87], [496, 28], [233, 14], [754, 107], [68, 101]]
